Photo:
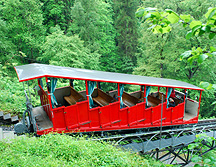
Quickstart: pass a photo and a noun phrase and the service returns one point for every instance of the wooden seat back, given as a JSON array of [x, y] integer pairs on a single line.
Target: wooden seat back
[[74, 97], [129, 100], [160, 96], [102, 98], [153, 101]]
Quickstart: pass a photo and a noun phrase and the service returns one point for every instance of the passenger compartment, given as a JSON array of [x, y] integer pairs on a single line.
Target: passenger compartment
[[153, 101], [129, 100], [101, 98], [74, 97]]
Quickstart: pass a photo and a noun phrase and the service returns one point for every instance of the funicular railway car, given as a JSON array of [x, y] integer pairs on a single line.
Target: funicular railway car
[[92, 110]]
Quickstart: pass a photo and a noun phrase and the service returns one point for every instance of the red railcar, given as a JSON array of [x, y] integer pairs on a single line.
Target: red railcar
[[67, 110]]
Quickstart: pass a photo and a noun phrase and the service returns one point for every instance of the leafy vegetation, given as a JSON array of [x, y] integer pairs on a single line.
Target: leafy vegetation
[[63, 150], [209, 158], [169, 39], [106, 35]]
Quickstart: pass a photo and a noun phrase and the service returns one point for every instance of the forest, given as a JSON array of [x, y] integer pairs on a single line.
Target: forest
[[160, 38]]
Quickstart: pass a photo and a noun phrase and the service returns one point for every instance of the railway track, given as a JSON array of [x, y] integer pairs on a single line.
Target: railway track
[[207, 124], [158, 142], [168, 145]]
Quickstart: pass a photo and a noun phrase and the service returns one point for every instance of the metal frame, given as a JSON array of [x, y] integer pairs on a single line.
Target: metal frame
[[171, 146]]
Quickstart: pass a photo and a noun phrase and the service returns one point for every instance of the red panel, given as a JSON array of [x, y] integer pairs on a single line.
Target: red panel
[[83, 114], [148, 116], [136, 115], [105, 116], [71, 117], [156, 115], [141, 119], [59, 118], [167, 115], [114, 114], [123, 113], [95, 119], [178, 113], [109, 115], [132, 115]]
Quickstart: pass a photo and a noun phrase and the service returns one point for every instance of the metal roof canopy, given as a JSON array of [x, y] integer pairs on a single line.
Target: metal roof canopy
[[35, 70]]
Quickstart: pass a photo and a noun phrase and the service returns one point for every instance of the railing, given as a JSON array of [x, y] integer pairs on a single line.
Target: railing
[[45, 103]]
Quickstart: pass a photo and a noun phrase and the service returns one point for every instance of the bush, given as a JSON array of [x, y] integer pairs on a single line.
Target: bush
[[63, 150]]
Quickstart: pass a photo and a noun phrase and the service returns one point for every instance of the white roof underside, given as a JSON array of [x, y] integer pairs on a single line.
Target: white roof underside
[[33, 71]]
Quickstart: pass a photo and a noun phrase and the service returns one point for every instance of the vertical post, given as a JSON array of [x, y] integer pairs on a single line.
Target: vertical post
[[199, 103], [144, 97], [185, 101], [49, 97], [87, 95], [166, 95], [158, 89], [118, 92], [71, 82], [161, 119], [97, 85]]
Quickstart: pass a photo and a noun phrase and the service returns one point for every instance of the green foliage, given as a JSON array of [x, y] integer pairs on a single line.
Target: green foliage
[[62, 150], [207, 160], [63, 50], [57, 13], [24, 26], [93, 22], [12, 98], [160, 53], [105, 35], [6, 46], [126, 25], [161, 22]]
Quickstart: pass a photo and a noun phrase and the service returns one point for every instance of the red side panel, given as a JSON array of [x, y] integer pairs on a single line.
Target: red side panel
[[148, 116], [95, 118], [123, 113], [59, 119], [105, 116], [71, 117], [114, 114], [167, 115], [141, 119], [109, 115], [132, 116], [83, 114], [136, 115], [178, 113], [156, 115]]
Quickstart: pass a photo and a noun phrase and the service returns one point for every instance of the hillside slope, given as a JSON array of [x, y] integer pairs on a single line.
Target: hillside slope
[[63, 150]]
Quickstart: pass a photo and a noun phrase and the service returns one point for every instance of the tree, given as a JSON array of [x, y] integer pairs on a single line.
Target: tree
[[126, 25], [92, 20], [63, 50], [195, 59], [57, 13], [6, 46], [24, 25]]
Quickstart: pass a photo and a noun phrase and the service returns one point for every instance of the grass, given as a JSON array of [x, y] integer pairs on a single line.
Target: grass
[[63, 150]]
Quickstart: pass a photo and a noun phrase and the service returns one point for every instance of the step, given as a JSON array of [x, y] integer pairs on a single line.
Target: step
[[1, 115], [7, 118], [14, 119], [7, 135]]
